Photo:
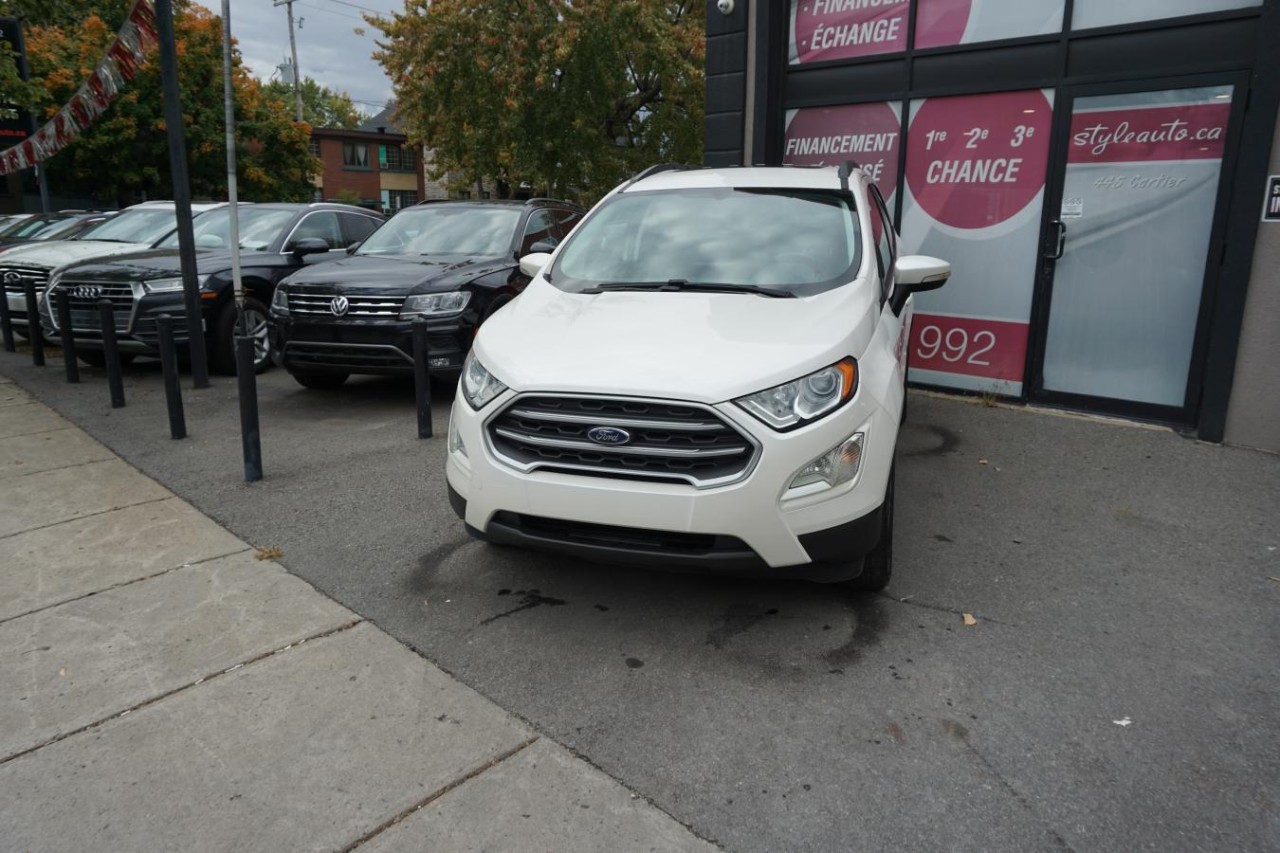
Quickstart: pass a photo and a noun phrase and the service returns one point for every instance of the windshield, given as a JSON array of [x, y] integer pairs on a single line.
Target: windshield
[[145, 225], [799, 240], [28, 227], [259, 228], [445, 229], [63, 230]]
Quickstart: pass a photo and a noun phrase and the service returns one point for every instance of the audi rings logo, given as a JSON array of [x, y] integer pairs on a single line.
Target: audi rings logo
[[86, 291], [12, 277], [339, 306]]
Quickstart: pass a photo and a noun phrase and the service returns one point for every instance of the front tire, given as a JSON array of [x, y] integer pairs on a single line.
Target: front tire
[[877, 566], [222, 349], [320, 381]]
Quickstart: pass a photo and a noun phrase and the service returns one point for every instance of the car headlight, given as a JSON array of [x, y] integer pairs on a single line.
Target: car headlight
[[424, 304], [280, 301], [479, 386], [170, 285], [806, 399]]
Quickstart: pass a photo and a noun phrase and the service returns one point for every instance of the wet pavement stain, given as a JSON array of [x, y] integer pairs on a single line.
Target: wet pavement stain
[[420, 580], [870, 618], [947, 441], [532, 598], [634, 663], [738, 619]]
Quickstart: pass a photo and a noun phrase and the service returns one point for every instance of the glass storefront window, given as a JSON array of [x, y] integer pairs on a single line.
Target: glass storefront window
[[869, 134], [941, 23], [822, 30], [975, 178], [1106, 13]]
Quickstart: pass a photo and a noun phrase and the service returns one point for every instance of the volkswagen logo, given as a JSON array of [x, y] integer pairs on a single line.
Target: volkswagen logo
[[12, 277], [339, 306], [608, 435], [86, 291]]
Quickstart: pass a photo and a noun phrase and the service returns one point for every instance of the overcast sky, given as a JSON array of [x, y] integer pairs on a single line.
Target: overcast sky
[[328, 48]]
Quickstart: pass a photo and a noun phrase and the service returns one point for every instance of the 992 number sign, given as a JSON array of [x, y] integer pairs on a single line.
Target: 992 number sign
[[995, 349]]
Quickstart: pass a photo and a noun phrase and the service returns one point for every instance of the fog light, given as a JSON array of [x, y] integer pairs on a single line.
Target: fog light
[[836, 466], [455, 445], [438, 362]]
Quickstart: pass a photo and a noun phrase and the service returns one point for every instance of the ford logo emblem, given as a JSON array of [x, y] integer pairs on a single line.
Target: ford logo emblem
[[608, 435]]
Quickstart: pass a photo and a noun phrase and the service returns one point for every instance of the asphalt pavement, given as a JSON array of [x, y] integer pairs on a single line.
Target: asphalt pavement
[[1077, 650]]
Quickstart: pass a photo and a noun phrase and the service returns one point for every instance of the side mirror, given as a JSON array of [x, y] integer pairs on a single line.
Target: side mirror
[[545, 246], [532, 263], [916, 274], [309, 246], [351, 250]]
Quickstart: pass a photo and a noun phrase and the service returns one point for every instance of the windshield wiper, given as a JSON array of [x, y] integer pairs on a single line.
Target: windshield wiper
[[679, 284]]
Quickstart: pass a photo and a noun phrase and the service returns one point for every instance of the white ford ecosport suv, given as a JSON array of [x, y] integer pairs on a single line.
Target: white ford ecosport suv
[[708, 374]]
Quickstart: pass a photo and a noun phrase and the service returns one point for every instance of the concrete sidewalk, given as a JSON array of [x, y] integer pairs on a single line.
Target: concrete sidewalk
[[163, 688]]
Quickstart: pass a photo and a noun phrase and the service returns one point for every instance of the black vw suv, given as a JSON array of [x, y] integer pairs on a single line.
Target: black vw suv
[[275, 240], [451, 262]]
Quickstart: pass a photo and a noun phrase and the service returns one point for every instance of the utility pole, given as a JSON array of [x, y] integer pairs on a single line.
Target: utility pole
[[293, 49]]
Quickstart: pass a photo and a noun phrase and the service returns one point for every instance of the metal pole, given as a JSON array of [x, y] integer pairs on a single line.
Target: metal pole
[[34, 333], [293, 51], [181, 193], [249, 438], [24, 73], [421, 378], [172, 388], [6, 322], [63, 303], [246, 373], [111, 351]]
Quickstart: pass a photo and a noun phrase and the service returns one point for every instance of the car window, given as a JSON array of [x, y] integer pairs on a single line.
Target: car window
[[358, 226], [446, 229], [539, 227], [258, 228], [807, 241], [565, 220], [323, 224], [141, 225]]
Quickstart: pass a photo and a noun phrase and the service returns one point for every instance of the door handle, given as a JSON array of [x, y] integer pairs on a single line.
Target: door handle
[[1061, 242]]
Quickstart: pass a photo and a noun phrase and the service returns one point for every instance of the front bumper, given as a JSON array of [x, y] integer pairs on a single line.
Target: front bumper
[[137, 330], [367, 346], [749, 527]]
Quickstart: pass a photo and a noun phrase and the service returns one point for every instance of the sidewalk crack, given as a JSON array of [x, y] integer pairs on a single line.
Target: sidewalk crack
[[437, 794], [3, 536], [329, 632]]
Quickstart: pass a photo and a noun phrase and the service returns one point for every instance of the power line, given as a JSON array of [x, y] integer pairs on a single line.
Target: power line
[[358, 6], [330, 11]]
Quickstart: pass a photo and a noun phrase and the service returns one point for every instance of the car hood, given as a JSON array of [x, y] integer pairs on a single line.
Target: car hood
[[56, 253], [705, 347], [156, 263], [397, 275]]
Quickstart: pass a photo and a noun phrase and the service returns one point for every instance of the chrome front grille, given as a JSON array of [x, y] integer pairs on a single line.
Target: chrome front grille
[[320, 302], [83, 297], [15, 278], [668, 441]]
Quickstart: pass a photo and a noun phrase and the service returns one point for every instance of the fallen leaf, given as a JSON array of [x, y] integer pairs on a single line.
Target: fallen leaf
[[269, 553], [62, 671], [982, 462], [969, 620], [1123, 722]]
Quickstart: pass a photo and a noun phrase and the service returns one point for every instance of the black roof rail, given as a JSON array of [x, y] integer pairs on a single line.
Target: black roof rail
[[550, 200], [846, 169], [660, 167]]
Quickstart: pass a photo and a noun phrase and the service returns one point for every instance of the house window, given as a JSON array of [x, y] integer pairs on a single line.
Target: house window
[[355, 155], [398, 158], [313, 146], [400, 199]]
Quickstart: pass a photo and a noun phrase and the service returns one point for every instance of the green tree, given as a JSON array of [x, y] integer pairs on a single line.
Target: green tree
[[125, 153], [321, 106], [566, 95]]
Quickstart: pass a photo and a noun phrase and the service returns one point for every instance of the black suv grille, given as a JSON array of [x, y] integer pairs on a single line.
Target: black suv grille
[[665, 542], [83, 297], [37, 275], [320, 302], [668, 441]]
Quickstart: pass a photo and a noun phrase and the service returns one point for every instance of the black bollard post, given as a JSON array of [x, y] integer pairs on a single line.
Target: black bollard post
[[247, 379], [63, 303], [34, 333], [172, 388], [6, 322], [421, 378], [111, 351]]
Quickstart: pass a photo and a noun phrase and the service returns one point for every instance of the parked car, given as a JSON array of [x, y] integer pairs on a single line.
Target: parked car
[[134, 228], [22, 230], [452, 262], [709, 374], [275, 240], [70, 227]]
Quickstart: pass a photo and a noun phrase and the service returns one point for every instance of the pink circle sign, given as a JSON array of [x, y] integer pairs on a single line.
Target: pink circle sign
[[975, 161], [868, 134]]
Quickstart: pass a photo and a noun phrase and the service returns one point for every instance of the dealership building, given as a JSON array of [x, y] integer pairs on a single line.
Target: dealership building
[[1102, 175]]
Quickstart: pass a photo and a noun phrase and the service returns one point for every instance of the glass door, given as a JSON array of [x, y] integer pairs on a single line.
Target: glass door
[[1127, 247]]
